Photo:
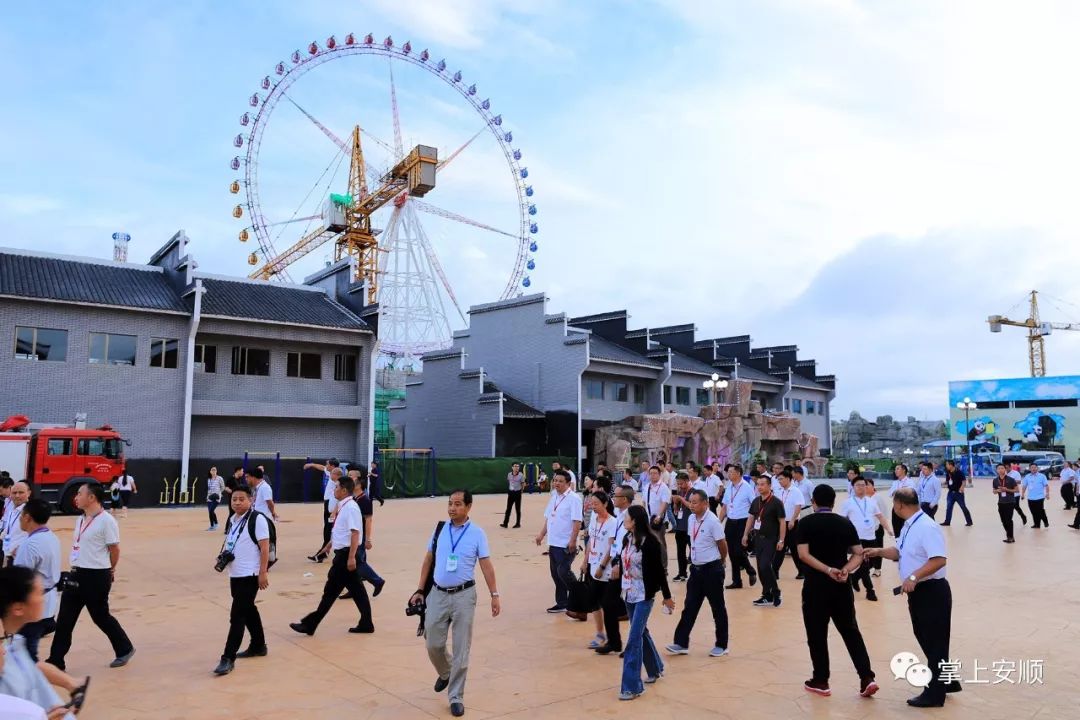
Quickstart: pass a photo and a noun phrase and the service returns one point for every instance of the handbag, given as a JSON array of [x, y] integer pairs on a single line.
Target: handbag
[[577, 600]]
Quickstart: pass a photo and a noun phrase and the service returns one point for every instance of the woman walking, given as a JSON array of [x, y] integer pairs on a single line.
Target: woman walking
[[214, 487], [642, 575], [125, 485]]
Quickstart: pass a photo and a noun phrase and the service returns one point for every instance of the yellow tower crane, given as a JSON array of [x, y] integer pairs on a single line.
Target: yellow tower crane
[[1037, 330], [347, 218]]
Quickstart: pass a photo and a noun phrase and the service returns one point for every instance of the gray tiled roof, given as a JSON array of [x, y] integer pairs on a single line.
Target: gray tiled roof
[[274, 302], [685, 363], [70, 280], [601, 349]]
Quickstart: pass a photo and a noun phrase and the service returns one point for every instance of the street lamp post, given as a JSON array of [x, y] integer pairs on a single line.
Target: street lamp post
[[967, 406], [863, 452], [715, 384], [888, 453]]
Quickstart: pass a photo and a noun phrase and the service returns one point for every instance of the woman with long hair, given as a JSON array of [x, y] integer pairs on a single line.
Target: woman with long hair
[[214, 487], [642, 575]]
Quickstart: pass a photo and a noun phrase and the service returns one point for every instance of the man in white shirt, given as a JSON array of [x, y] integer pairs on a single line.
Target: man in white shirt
[[643, 476], [920, 550], [901, 480], [714, 485], [13, 532], [95, 553], [794, 502], [345, 538], [562, 525], [1015, 474], [734, 512], [864, 514], [1068, 485], [331, 474], [263, 494], [40, 551], [708, 551], [657, 499], [248, 574], [929, 488], [804, 484]]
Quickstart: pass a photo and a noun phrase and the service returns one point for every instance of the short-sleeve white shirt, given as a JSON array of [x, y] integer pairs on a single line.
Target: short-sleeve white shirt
[[737, 500], [790, 496], [601, 541], [655, 496], [561, 513], [248, 558], [704, 535], [620, 533], [919, 540], [91, 541], [13, 532], [328, 492], [264, 495], [712, 486], [863, 514], [348, 519]]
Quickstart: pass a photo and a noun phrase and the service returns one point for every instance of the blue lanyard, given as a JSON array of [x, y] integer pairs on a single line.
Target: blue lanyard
[[235, 530], [906, 530], [862, 507], [450, 532]]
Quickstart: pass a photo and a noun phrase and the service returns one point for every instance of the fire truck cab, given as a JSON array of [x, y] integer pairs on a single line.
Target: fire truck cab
[[57, 460]]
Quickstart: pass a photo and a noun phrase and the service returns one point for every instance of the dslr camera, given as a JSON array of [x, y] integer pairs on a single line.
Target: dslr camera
[[223, 559], [66, 582], [414, 610]]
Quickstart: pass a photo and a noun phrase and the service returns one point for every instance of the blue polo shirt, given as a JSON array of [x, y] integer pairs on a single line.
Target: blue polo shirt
[[468, 542], [1036, 485]]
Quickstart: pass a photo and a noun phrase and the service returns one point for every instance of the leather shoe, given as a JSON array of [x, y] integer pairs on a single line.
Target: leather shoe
[[345, 596], [122, 660], [753, 580], [457, 709], [378, 589], [921, 701], [301, 628], [441, 684], [954, 687], [733, 586], [362, 629], [607, 650], [252, 652], [224, 667]]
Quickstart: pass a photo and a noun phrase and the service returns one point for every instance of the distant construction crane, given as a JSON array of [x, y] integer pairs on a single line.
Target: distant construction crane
[[1037, 330]]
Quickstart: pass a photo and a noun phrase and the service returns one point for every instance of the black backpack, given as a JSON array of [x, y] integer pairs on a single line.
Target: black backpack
[[252, 521]]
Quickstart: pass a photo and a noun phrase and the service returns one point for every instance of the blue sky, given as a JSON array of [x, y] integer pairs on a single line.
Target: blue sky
[[866, 180]]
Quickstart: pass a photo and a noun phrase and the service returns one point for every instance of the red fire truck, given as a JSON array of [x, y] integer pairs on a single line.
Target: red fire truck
[[57, 460]]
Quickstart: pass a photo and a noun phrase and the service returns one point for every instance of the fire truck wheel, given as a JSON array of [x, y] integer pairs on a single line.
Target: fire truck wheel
[[67, 503]]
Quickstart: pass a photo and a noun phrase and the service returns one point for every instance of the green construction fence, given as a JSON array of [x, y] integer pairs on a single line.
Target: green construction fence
[[414, 475]]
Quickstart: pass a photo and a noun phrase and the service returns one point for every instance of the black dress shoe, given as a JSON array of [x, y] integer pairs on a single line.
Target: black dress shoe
[[365, 629], [345, 596], [1074, 527], [753, 580], [607, 650], [441, 683], [224, 667], [457, 709], [378, 589], [954, 687], [252, 652], [302, 628], [502, 525], [921, 701], [734, 586]]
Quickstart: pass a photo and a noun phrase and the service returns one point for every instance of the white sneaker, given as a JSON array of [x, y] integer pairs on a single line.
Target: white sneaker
[[718, 652], [598, 641], [675, 649]]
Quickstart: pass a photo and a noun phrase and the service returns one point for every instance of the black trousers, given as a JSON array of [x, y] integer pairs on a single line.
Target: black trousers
[[682, 550], [1019, 510], [929, 509], [713, 505], [92, 594], [765, 552], [897, 524], [930, 607], [513, 501], [341, 578], [1005, 512], [243, 615], [879, 542], [733, 532], [955, 498], [33, 632], [614, 608], [1068, 494], [834, 601], [560, 564], [1038, 512], [705, 582], [790, 547], [327, 526], [863, 573]]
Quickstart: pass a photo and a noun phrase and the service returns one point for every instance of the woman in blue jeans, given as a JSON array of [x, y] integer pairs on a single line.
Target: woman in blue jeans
[[642, 575]]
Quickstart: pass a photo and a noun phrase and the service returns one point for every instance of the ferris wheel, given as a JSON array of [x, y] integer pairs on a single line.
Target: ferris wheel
[[365, 202]]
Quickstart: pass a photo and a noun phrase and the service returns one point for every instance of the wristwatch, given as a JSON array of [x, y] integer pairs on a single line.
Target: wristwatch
[[912, 578], [494, 594]]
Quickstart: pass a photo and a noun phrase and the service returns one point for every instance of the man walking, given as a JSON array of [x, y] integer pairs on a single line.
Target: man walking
[[248, 574], [1035, 488], [929, 489], [863, 514], [708, 551], [515, 481], [450, 563], [374, 475], [95, 553], [680, 501], [1068, 485], [735, 510], [794, 502], [1014, 473], [562, 525], [956, 480], [657, 499], [1005, 488], [830, 551], [771, 531], [331, 474], [345, 538], [920, 550], [13, 532], [901, 481], [263, 494], [40, 551]]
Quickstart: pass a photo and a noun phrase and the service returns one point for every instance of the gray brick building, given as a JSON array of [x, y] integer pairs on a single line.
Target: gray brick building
[[521, 381], [193, 369]]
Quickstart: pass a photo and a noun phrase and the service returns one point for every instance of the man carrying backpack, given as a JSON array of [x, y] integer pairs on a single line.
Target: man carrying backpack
[[247, 541]]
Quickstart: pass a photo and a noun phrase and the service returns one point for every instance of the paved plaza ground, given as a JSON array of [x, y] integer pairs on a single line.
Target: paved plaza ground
[[1014, 602]]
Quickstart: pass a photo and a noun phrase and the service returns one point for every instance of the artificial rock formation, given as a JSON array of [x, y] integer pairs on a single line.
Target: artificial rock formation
[[734, 431]]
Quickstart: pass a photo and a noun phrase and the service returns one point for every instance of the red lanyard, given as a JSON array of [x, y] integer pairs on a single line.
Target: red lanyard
[[599, 529], [560, 502], [627, 555], [694, 533], [83, 528], [761, 510]]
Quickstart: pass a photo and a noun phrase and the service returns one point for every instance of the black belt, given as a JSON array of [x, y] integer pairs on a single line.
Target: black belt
[[706, 565], [456, 588], [90, 570]]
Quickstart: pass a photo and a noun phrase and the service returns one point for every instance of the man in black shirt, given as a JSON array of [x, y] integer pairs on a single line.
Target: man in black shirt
[[956, 479], [767, 514], [825, 541], [1006, 489]]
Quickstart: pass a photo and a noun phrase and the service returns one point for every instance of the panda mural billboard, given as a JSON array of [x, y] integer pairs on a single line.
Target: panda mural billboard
[[1019, 413]]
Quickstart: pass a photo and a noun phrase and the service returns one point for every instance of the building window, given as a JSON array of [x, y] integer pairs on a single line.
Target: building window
[[796, 406], [787, 405], [59, 446], [639, 393], [594, 389], [702, 396], [303, 365], [32, 343], [809, 407], [206, 358], [164, 352], [622, 391], [110, 349], [682, 395], [345, 368], [821, 408], [667, 394], [250, 361]]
